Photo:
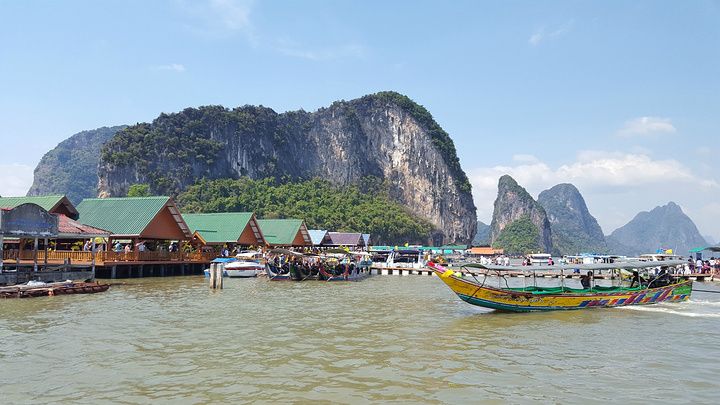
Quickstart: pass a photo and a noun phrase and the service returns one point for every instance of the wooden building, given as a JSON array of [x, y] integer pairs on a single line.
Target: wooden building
[[347, 239], [485, 251], [31, 224], [285, 232], [225, 228], [135, 218], [53, 204]]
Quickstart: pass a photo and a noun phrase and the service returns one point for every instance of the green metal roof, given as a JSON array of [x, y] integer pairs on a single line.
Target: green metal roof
[[121, 216], [224, 227], [47, 202], [280, 231]]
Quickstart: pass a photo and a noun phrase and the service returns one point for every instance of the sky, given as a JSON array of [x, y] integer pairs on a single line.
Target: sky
[[620, 98]]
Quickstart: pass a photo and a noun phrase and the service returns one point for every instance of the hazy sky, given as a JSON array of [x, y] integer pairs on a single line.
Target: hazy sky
[[621, 98]]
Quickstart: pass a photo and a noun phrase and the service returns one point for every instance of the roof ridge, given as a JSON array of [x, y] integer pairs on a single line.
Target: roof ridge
[[153, 197]]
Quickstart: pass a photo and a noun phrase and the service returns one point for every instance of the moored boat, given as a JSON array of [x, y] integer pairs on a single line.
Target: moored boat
[[526, 299], [243, 268]]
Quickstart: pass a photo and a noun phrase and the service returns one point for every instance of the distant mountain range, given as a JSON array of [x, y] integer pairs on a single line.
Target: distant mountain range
[[71, 167], [522, 225], [574, 230], [519, 223], [482, 236], [665, 227]]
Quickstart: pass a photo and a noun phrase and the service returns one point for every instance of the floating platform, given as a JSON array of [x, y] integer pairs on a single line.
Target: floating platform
[[45, 290]]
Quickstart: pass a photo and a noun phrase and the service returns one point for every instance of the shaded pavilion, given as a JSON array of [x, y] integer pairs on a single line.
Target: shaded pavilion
[[349, 239], [225, 228], [135, 219], [31, 221], [285, 232]]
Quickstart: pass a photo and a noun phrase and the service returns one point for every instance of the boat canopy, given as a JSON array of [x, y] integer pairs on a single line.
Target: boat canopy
[[708, 248], [280, 251], [223, 260], [593, 266]]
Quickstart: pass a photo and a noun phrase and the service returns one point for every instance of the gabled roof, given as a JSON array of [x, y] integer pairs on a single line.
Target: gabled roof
[[284, 232], [317, 236], [345, 239], [130, 216], [50, 203], [223, 227], [69, 228]]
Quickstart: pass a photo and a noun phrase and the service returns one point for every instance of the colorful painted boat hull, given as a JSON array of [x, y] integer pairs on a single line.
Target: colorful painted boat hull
[[517, 301]]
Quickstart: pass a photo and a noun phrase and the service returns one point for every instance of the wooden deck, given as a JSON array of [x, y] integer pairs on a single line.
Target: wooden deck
[[57, 257], [78, 264]]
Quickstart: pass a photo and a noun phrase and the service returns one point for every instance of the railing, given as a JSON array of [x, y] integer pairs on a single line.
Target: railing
[[10, 254], [102, 256]]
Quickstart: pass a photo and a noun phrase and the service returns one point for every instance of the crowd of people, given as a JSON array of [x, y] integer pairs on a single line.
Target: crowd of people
[[710, 266]]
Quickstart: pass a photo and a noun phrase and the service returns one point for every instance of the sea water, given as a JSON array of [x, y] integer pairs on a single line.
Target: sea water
[[388, 338]]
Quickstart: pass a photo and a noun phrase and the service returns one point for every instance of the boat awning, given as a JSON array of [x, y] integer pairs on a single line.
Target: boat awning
[[223, 260], [708, 248]]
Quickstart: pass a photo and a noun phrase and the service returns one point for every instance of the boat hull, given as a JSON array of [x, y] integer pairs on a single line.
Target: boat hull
[[516, 301], [247, 273]]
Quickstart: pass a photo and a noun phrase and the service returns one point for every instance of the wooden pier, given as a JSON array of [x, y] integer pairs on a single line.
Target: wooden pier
[[57, 264]]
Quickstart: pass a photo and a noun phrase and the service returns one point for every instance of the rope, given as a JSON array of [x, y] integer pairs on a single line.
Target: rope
[[707, 291]]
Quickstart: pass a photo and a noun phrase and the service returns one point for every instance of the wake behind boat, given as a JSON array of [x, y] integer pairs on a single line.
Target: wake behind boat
[[660, 288]]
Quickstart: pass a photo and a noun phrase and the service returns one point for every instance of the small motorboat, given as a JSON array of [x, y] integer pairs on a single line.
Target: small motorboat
[[243, 268]]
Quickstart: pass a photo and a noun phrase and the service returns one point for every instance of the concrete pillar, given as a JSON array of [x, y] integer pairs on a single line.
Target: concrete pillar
[[113, 272], [92, 260], [1, 252], [140, 271], [35, 256]]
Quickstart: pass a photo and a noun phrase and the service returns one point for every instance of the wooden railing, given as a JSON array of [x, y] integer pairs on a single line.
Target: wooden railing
[[10, 254], [102, 256]]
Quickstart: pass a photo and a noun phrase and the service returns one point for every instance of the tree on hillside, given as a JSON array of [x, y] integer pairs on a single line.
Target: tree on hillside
[[139, 190]]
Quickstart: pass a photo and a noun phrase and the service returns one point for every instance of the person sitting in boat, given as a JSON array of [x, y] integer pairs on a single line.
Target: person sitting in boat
[[637, 281], [585, 280], [662, 279]]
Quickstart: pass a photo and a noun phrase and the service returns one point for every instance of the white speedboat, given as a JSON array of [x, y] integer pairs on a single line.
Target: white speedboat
[[244, 268]]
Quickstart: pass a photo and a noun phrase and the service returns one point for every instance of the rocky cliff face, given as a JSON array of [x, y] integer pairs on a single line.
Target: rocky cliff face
[[384, 135], [574, 230], [515, 204], [71, 167], [665, 227]]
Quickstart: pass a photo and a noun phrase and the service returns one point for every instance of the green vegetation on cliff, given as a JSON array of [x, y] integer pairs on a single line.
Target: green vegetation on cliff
[[519, 237], [359, 208], [139, 190], [71, 167]]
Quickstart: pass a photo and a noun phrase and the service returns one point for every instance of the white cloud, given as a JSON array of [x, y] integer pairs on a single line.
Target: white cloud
[[15, 179], [544, 35], [647, 126], [220, 17], [354, 51], [234, 14], [616, 185], [175, 67]]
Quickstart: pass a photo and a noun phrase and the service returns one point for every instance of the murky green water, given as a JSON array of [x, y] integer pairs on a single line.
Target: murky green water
[[388, 338]]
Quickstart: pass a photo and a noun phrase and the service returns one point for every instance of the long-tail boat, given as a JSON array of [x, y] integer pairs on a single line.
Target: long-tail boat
[[661, 288]]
